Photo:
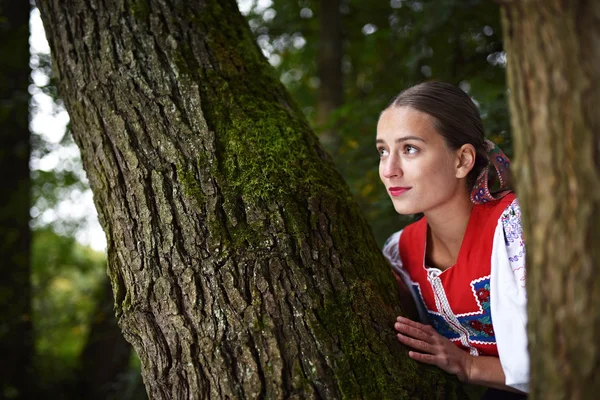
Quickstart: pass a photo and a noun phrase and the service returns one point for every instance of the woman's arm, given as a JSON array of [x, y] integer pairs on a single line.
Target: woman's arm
[[433, 348], [487, 371], [508, 298]]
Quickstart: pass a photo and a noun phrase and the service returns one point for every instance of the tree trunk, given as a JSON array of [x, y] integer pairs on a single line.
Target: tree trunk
[[240, 266], [105, 358], [330, 95], [553, 57], [16, 333]]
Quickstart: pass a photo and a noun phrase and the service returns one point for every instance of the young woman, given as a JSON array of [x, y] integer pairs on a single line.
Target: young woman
[[464, 261]]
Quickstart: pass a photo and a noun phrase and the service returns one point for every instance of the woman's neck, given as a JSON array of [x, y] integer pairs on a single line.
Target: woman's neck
[[447, 227]]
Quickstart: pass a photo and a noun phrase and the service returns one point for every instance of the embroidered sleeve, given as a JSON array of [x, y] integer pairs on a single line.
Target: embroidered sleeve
[[515, 247], [509, 299]]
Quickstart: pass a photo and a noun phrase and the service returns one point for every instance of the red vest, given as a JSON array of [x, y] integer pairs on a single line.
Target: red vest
[[458, 300]]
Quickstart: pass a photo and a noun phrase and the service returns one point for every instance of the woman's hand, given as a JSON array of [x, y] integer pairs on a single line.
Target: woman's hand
[[433, 348]]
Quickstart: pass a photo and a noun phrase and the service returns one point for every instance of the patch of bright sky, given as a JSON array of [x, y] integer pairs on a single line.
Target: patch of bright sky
[[37, 38], [264, 41], [306, 13], [369, 29], [258, 6], [49, 119]]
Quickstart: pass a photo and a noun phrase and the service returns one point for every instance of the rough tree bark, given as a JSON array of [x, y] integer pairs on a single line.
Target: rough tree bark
[[331, 88], [16, 332], [553, 52], [240, 265]]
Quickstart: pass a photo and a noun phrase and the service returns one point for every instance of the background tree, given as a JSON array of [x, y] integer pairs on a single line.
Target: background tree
[[16, 333], [331, 51], [554, 53], [240, 265], [106, 356]]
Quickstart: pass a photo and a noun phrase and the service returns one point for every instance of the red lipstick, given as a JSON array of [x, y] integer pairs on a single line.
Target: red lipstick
[[398, 190]]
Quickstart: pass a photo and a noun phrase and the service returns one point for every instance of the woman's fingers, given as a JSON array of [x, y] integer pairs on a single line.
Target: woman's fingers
[[414, 329], [424, 358], [430, 329], [416, 344], [418, 336], [431, 347], [412, 332]]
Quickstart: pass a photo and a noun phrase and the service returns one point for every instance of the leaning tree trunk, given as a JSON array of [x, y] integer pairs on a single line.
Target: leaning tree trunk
[[553, 57], [16, 331], [240, 265]]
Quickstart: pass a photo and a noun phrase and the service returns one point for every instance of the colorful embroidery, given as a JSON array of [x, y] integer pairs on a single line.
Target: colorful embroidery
[[517, 257], [511, 222], [483, 294], [481, 327], [477, 324], [513, 236], [499, 161], [442, 326]]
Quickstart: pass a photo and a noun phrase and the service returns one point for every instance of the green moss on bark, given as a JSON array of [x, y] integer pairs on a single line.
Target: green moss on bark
[[140, 9], [190, 184]]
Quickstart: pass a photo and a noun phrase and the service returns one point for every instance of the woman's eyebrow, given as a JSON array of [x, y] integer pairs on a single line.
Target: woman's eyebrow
[[403, 139]]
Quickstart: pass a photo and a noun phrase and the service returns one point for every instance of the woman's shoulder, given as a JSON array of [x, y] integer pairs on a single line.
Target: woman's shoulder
[[510, 219], [512, 209], [504, 210], [509, 248], [505, 202], [512, 229]]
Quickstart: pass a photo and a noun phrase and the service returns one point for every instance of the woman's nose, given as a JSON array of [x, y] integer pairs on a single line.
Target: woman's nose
[[391, 168]]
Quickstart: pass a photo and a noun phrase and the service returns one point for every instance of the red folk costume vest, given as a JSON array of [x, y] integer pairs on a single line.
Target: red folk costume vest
[[457, 300]]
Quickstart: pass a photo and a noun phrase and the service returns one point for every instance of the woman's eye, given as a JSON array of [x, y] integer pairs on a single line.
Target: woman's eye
[[408, 149], [382, 152]]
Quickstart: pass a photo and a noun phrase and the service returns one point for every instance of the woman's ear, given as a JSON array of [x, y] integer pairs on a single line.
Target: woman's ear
[[465, 160]]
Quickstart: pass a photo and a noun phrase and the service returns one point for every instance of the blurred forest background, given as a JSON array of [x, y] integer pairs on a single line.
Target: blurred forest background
[[342, 61]]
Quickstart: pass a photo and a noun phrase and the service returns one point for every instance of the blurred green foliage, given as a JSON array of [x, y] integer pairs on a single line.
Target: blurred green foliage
[[66, 279]]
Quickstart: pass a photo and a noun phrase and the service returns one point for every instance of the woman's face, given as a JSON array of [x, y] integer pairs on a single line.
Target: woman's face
[[417, 168]]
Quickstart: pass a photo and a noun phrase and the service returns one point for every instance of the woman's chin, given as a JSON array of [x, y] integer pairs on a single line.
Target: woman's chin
[[406, 209]]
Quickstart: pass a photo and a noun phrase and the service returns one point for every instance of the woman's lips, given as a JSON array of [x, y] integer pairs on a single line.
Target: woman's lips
[[397, 190]]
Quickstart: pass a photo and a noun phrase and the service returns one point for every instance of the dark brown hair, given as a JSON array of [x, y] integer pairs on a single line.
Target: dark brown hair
[[456, 117]]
